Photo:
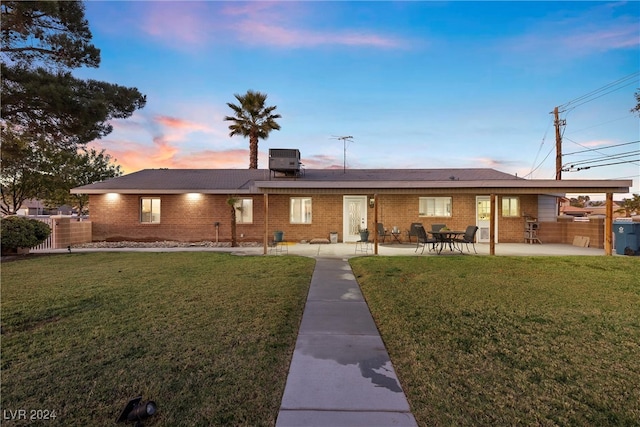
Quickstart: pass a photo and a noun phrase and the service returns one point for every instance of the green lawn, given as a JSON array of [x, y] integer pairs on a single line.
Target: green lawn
[[207, 336], [511, 340]]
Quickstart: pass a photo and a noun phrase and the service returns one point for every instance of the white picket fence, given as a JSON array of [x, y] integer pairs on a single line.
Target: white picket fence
[[50, 242]]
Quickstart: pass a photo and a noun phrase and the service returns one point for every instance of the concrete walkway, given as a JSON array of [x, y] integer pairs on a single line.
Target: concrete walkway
[[340, 374]]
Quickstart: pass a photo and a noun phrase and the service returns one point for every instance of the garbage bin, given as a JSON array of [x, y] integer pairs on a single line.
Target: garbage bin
[[626, 235], [333, 237]]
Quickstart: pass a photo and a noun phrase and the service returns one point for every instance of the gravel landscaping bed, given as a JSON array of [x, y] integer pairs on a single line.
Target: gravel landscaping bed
[[163, 244]]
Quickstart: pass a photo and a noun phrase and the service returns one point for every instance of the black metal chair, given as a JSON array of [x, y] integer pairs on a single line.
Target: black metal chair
[[412, 230], [424, 239], [438, 227], [469, 236], [382, 233]]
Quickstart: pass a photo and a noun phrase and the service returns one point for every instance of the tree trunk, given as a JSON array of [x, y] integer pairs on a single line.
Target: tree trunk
[[234, 238], [253, 152]]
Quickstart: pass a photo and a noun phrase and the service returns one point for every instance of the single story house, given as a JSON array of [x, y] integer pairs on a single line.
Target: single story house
[[192, 204]]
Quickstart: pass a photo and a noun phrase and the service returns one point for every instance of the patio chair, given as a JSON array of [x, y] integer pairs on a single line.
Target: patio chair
[[424, 239], [412, 230], [469, 236], [382, 233], [278, 245], [438, 227]]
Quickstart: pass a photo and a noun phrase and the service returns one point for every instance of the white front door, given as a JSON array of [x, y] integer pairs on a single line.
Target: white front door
[[483, 219], [354, 217]]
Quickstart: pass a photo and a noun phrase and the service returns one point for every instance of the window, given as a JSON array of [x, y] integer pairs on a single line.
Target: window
[[244, 211], [510, 206], [434, 206], [150, 210], [300, 210]]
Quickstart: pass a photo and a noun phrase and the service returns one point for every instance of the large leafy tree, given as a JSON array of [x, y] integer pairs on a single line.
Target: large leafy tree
[[580, 202], [86, 167], [21, 174], [44, 107], [631, 206], [252, 119]]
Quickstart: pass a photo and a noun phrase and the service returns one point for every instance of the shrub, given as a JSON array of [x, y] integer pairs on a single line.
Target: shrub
[[21, 232]]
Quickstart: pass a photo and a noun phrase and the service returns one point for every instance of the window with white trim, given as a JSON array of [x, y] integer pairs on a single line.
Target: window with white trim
[[150, 210], [244, 211], [434, 206], [510, 206], [300, 210]]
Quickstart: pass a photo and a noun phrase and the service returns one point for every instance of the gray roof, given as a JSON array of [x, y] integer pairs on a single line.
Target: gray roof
[[178, 181], [225, 181]]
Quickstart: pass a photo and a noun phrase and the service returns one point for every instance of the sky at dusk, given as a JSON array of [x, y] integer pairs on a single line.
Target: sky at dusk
[[417, 84]]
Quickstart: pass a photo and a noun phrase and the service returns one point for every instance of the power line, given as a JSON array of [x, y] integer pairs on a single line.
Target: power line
[[597, 166], [604, 123], [611, 157], [599, 148], [541, 163], [544, 137], [588, 97]]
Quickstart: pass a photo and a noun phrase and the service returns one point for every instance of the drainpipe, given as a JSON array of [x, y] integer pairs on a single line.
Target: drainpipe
[[217, 224]]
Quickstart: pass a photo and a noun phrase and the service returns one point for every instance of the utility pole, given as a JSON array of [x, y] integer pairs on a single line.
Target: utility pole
[[557, 122]]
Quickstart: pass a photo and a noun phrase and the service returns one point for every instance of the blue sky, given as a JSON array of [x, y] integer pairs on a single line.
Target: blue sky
[[417, 84]]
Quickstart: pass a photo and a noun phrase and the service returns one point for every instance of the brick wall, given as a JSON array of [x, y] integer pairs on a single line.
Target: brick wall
[[183, 217], [192, 217]]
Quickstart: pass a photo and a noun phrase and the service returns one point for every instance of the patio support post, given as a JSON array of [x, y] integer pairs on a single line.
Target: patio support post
[[492, 225], [375, 221], [266, 223], [608, 225]]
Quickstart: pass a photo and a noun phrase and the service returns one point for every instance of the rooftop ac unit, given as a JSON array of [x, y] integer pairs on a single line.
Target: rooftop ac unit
[[284, 160]]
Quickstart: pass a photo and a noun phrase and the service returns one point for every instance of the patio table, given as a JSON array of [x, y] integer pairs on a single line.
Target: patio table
[[445, 237]]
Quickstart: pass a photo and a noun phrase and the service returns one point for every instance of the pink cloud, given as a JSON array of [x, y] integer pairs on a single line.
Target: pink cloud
[[179, 23], [576, 36], [619, 37], [492, 163], [163, 151], [190, 25], [210, 159], [262, 33], [133, 156], [321, 162], [180, 124]]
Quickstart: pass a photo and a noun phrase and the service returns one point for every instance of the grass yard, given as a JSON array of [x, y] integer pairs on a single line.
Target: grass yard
[[511, 340], [207, 336]]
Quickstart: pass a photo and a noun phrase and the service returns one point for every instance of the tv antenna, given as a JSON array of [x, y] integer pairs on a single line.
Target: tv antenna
[[344, 145]]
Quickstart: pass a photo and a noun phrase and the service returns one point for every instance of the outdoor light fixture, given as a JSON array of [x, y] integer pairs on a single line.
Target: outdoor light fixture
[[372, 203], [136, 410]]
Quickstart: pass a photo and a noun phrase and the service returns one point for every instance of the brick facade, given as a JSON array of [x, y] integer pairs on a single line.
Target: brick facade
[[192, 217]]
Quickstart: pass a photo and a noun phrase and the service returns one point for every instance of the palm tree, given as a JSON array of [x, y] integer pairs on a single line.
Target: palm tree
[[252, 119], [232, 201]]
